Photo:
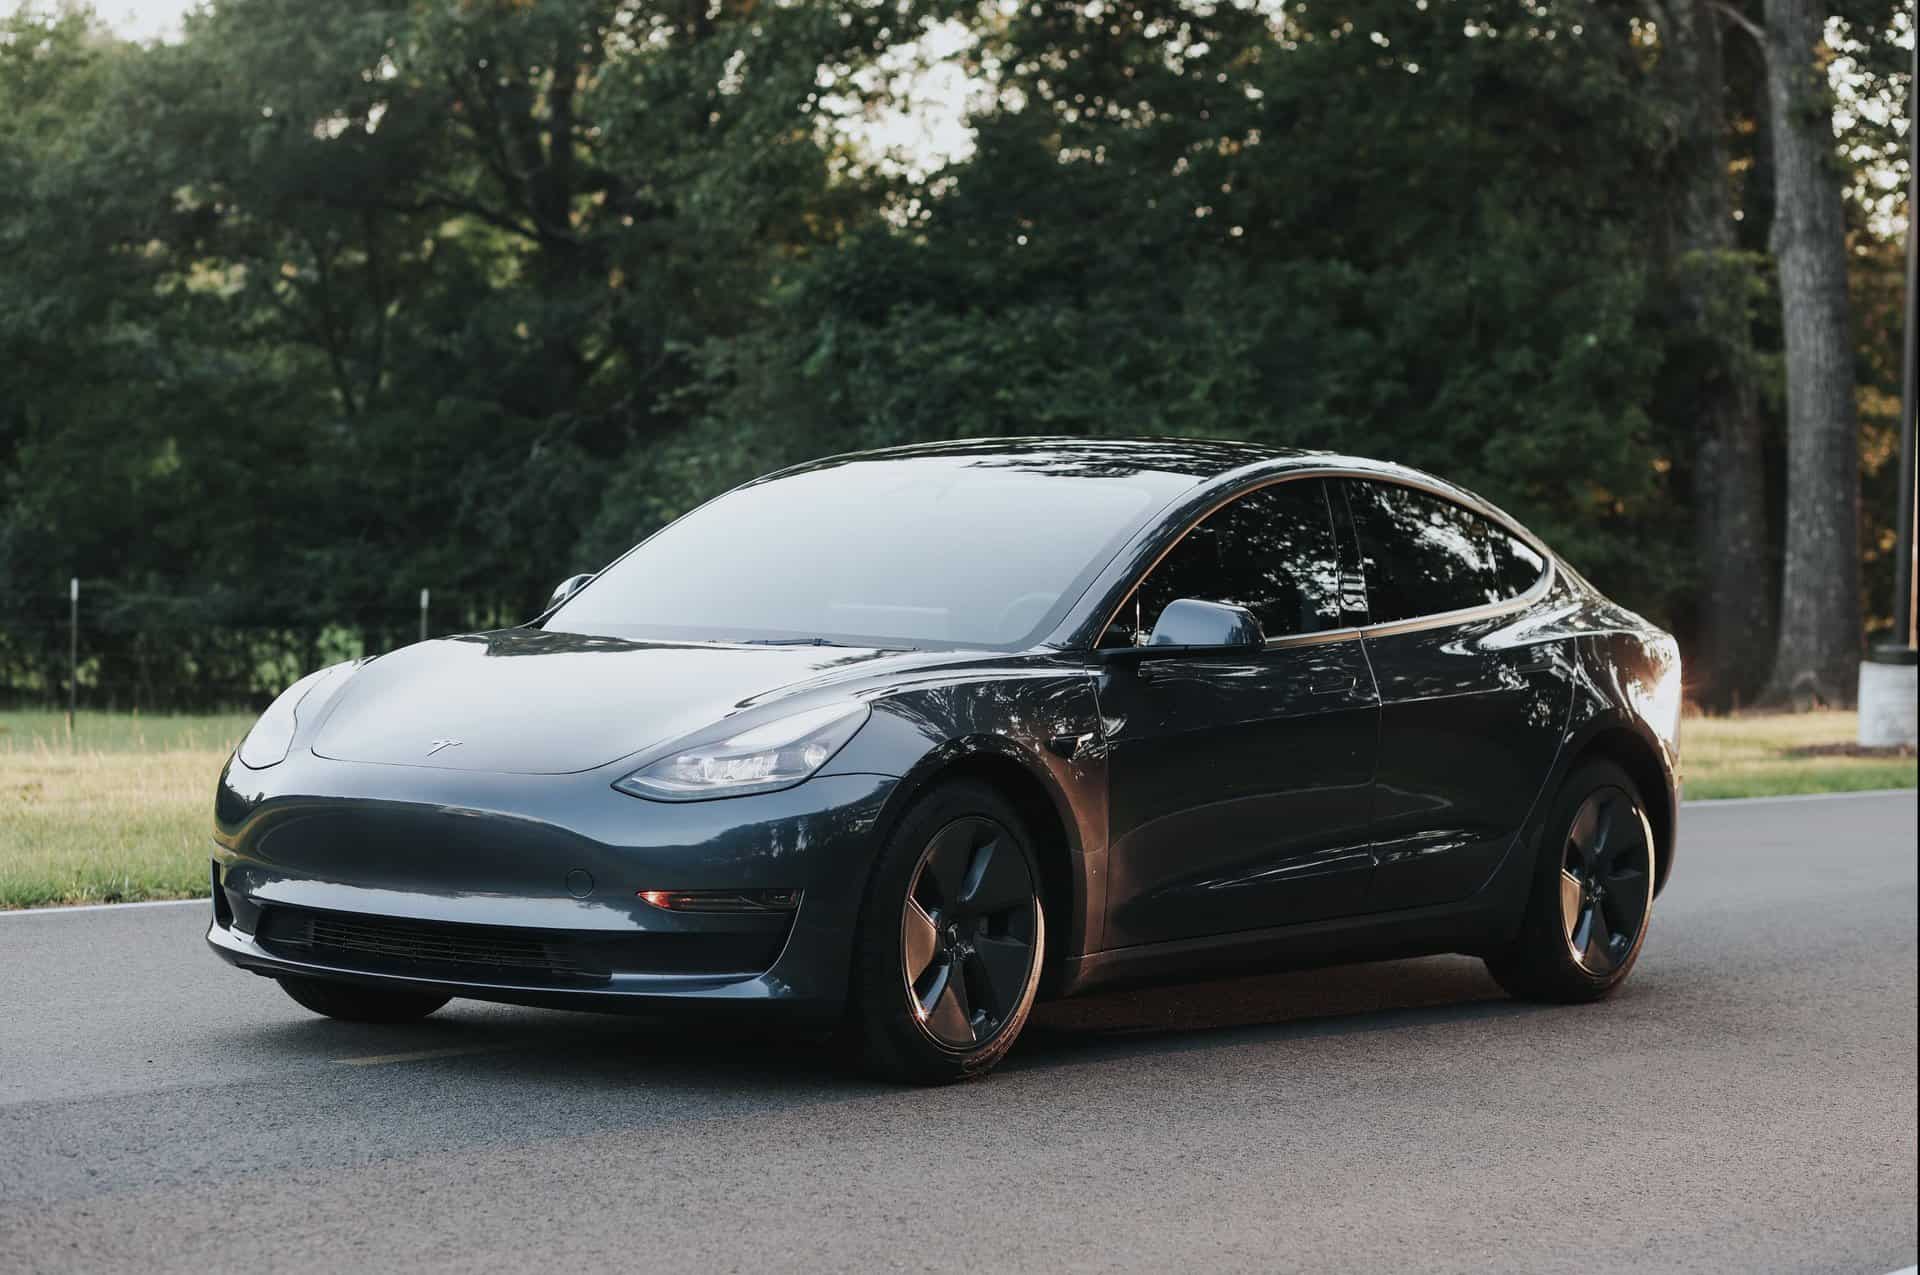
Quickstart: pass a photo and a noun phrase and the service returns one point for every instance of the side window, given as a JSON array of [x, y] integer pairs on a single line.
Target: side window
[[1517, 565], [1424, 555], [1270, 551]]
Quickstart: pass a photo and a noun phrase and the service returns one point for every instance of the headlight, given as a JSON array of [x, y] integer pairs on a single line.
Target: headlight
[[267, 743], [778, 754]]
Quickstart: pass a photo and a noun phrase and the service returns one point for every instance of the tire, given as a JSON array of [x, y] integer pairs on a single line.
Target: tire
[[359, 1003], [1592, 894], [951, 940]]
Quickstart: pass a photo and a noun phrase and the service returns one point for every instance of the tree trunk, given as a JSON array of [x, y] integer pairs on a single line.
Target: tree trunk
[[1819, 648], [1710, 281]]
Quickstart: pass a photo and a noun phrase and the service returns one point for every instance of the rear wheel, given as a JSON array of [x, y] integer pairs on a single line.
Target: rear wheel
[[1592, 893], [952, 936], [359, 1003]]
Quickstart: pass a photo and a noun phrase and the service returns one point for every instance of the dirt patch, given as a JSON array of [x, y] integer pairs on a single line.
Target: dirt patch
[[1849, 750]]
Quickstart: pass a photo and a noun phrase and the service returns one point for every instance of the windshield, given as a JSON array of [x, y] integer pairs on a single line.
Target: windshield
[[926, 551]]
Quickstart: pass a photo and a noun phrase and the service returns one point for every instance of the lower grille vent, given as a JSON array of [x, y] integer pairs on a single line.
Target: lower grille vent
[[327, 935], [502, 954]]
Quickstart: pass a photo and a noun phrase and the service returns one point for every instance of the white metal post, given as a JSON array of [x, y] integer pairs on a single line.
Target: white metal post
[[73, 652]]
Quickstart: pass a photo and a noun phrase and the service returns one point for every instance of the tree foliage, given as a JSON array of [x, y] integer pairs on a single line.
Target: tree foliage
[[322, 304]]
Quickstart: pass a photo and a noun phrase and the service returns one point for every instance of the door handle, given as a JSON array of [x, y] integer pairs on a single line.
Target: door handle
[[1543, 663], [1335, 685]]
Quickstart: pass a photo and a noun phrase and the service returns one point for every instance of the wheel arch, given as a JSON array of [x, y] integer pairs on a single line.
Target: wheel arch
[[1618, 742], [1024, 782]]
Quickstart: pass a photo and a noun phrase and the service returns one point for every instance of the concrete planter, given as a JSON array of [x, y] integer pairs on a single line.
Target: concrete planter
[[1888, 696]]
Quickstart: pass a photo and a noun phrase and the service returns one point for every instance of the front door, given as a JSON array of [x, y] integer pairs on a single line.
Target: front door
[[1240, 783]]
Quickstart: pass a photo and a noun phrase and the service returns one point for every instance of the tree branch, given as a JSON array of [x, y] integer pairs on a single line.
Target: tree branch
[[1745, 23], [433, 199]]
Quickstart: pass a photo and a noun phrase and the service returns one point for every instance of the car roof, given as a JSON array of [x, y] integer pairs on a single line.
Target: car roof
[[1197, 459], [1179, 467], [1175, 465]]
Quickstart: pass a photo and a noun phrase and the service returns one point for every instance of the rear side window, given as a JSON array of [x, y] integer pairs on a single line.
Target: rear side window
[[1424, 555], [1271, 551], [1517, 565]]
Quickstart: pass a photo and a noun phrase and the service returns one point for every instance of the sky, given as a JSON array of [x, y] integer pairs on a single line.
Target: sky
[[144, 19], [927, 129]]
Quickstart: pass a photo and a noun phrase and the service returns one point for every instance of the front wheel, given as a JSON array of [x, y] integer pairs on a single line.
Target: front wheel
[[359, 1003], [1592, 893], [952, 936]]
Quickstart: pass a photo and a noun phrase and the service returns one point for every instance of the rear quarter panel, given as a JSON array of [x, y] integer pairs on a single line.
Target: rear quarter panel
[[1628, 690]]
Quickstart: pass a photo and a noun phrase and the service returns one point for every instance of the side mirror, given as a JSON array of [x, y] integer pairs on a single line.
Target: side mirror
[[1189, 626], [568, 587]]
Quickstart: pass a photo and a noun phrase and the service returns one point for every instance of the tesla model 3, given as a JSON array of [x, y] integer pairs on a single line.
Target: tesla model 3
[[896, 743]]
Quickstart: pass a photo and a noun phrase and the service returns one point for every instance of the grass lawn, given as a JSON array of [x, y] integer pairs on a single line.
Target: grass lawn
[[125, 813], [1774, 754]]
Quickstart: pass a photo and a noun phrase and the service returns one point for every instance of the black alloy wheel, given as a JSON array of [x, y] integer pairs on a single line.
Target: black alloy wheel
[[1592, 893], [1606, 881], [952, 939], [968, 933]]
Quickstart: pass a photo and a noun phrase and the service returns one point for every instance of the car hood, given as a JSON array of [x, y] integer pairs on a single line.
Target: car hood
[[526, 701]]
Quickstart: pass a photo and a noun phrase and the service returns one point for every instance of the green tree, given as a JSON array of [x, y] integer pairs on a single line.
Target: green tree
[[1396, 232]]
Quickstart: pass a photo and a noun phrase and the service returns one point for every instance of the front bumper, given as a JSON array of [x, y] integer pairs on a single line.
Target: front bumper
[[524, 888]]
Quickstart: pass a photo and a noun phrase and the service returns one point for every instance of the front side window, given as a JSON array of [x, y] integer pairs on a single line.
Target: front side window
[[1271, 551], [1424, 555]]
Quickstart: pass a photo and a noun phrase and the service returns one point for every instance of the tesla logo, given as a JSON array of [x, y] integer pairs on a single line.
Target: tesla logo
[[438, 744]]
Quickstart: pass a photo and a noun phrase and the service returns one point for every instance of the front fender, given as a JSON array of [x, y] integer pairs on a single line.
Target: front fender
[[1033, 728]]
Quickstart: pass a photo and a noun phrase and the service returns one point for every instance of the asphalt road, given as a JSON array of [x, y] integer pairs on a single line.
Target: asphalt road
[[1747, 1102]]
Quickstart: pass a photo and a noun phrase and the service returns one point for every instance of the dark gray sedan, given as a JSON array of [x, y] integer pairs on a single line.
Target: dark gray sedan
[[897, 742]]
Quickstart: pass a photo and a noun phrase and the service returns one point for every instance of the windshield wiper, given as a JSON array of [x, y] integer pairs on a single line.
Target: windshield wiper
[[820, 641], [805, 641]]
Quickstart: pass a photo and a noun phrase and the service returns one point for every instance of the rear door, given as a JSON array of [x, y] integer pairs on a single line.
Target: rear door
[[1472, 702], [1239, 783]]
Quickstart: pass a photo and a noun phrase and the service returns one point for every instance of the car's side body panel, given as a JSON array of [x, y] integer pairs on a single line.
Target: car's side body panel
[[1240, 790], [1471, 718], [1480, 923], [1622, 683], [1480, 719]]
